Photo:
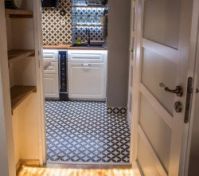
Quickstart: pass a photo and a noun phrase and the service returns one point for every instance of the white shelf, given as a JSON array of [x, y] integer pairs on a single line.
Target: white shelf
[[19, 13], [19, 54], [19, 93]]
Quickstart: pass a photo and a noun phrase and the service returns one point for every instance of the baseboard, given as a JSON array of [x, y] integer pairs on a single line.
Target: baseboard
[[23, 162], [30, 162], [18, 167]]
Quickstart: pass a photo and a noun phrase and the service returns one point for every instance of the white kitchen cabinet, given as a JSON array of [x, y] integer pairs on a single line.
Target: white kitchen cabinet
[[51, 77], [51, 89], [87, 75]]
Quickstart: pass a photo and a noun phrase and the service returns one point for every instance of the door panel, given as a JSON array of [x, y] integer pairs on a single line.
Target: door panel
[[156, 130], [161, 21], [161, 56], [146, 159], [156, 69]]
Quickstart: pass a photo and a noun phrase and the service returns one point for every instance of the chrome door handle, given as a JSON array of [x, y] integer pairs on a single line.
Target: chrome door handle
[[178, 90]]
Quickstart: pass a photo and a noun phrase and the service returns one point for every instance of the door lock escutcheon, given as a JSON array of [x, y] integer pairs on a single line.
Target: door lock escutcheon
[[178, 90], [178, 107]]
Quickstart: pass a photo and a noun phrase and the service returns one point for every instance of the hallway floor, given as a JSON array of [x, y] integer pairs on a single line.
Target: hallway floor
[[84, 133], [34, 171]]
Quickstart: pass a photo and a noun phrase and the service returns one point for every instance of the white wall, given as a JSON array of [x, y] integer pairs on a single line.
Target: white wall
[[26, 119], [118, 52]]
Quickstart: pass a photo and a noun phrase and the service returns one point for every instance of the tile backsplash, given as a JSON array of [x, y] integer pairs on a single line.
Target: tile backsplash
[[85, 18], [58, 29]]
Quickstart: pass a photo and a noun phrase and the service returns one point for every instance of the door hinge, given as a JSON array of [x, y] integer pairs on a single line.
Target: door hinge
[[188, 99]]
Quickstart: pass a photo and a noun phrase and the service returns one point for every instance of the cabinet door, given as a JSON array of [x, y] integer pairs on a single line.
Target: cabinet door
[[51, 86], [87, 81], [52, 68]]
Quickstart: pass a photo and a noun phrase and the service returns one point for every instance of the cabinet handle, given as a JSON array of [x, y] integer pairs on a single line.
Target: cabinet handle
[[85, 65]]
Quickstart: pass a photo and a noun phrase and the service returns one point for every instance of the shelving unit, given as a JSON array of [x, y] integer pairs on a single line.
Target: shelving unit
[[19, 93], [19, 54], [23, 44], [19, 13], [18, 51]]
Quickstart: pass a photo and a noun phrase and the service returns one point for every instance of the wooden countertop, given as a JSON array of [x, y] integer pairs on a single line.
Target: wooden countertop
[[56, 46], [73, 47]]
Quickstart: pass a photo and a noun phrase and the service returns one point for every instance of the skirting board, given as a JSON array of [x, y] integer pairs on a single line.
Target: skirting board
[[20, 163]]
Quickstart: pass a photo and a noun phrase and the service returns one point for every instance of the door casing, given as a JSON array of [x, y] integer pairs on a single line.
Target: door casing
[[195, 74]]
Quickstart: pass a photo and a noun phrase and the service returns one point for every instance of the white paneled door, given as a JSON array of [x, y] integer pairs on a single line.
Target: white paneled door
[[163, 29]]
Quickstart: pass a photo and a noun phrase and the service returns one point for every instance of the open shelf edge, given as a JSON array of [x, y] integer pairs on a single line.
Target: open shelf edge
[[19, 13], [19, 54]]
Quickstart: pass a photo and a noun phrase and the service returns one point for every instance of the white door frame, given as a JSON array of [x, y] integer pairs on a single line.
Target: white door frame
[[195, 75], [131, 89], [7, 159], [133, 76], [136, 77], [40, 73]]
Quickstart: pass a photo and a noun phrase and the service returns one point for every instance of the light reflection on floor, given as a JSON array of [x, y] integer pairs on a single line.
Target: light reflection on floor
[[34, 171]]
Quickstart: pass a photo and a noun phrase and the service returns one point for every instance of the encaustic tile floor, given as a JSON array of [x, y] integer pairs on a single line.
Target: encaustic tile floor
[[84, 133]]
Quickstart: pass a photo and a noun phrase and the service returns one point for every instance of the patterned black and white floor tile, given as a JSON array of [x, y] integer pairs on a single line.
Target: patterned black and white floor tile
[[83, 132]]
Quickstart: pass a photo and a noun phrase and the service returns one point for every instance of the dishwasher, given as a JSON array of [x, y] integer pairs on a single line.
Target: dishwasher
[[87, 75]]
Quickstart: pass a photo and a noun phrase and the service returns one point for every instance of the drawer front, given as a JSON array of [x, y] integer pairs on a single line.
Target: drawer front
[[81, 56]]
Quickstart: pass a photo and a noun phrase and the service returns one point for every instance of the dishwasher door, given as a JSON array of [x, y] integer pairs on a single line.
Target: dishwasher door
[[87, 81]]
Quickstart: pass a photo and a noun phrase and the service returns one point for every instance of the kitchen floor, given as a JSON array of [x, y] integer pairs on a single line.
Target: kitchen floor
[[84, 133]]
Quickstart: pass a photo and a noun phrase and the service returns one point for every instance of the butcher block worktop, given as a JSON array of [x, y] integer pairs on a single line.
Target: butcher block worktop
[[74, 47], [56, 46]]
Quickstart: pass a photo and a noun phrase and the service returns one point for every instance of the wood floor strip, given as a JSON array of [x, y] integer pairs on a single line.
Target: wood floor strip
[[35, 171]]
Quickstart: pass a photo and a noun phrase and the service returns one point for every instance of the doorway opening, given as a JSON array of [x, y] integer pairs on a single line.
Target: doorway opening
[[85, 117]]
